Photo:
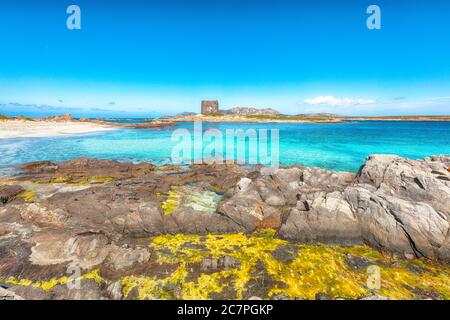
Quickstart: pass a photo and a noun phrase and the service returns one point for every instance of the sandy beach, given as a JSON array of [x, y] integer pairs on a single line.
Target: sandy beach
[[24, 128]]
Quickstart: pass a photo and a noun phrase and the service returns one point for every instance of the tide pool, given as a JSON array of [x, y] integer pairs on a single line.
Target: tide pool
[[339, 147]]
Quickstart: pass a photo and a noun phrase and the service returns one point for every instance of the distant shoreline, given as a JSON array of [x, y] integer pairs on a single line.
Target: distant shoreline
[[402, 118], [21, 127]]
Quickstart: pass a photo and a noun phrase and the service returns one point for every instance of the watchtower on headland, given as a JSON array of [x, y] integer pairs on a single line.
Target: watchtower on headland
[[210, 107]]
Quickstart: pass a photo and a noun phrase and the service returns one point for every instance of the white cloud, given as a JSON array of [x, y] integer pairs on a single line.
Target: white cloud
[[338, 102]]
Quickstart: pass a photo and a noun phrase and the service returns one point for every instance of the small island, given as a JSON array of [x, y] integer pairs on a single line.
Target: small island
[[210, 112]]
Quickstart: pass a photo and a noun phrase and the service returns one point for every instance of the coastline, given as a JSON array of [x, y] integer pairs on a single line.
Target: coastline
[[402, 118], [33, 128], [21, 127], [297, 119], [251, 119], [127, 223]]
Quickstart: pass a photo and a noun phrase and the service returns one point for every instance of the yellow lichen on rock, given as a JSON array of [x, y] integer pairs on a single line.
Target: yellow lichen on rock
[[27, 195], [173, 200], [402, 283], [317, 269], [304, 277], [60, 180], [272, 266]]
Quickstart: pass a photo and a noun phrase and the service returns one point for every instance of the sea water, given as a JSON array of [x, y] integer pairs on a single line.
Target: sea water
[[339, 146]]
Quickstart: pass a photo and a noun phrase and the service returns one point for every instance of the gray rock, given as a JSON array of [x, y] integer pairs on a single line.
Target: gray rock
[[9, 192], [225, 262], [88, 290], [209, 264], [30, 293], [124, 258], [356, 262], [286, 253], [9, 295], [393, 204], [330, 219]]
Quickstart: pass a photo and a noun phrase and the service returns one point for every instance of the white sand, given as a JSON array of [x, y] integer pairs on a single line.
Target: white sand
[[23, 128]]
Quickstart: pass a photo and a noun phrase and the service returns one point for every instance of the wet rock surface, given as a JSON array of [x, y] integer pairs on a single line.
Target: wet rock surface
[[102, 215]]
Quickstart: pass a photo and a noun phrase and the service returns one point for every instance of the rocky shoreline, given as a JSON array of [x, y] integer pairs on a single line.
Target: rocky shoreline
[[137, 231]]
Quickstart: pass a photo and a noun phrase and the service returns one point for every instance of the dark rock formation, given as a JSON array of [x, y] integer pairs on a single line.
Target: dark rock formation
[[394, 204]]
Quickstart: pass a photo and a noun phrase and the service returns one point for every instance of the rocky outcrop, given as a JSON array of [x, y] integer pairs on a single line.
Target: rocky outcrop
[[8, 295], [92, 213], [80, 169], [394, 204]]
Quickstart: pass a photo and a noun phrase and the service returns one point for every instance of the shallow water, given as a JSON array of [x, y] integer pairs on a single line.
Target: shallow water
[[341, 147]]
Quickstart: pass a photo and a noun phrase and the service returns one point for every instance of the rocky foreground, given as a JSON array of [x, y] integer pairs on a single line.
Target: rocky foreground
[[136, 231]]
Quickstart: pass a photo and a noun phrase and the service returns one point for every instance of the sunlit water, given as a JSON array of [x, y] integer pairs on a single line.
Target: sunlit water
[[341, 147]]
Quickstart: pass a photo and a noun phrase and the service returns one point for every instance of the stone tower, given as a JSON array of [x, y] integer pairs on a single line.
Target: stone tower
[[210, 107]]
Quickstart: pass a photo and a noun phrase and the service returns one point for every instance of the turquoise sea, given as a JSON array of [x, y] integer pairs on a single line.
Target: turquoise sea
[[341, 147]]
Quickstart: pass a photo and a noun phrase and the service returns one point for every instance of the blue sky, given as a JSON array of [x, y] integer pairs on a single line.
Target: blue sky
[[145, 57]]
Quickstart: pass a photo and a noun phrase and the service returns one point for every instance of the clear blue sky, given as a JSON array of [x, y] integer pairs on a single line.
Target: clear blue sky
[[138, 57]]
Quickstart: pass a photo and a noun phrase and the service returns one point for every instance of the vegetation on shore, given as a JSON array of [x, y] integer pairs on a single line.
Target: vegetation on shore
[[290, 118], [261, 117]]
